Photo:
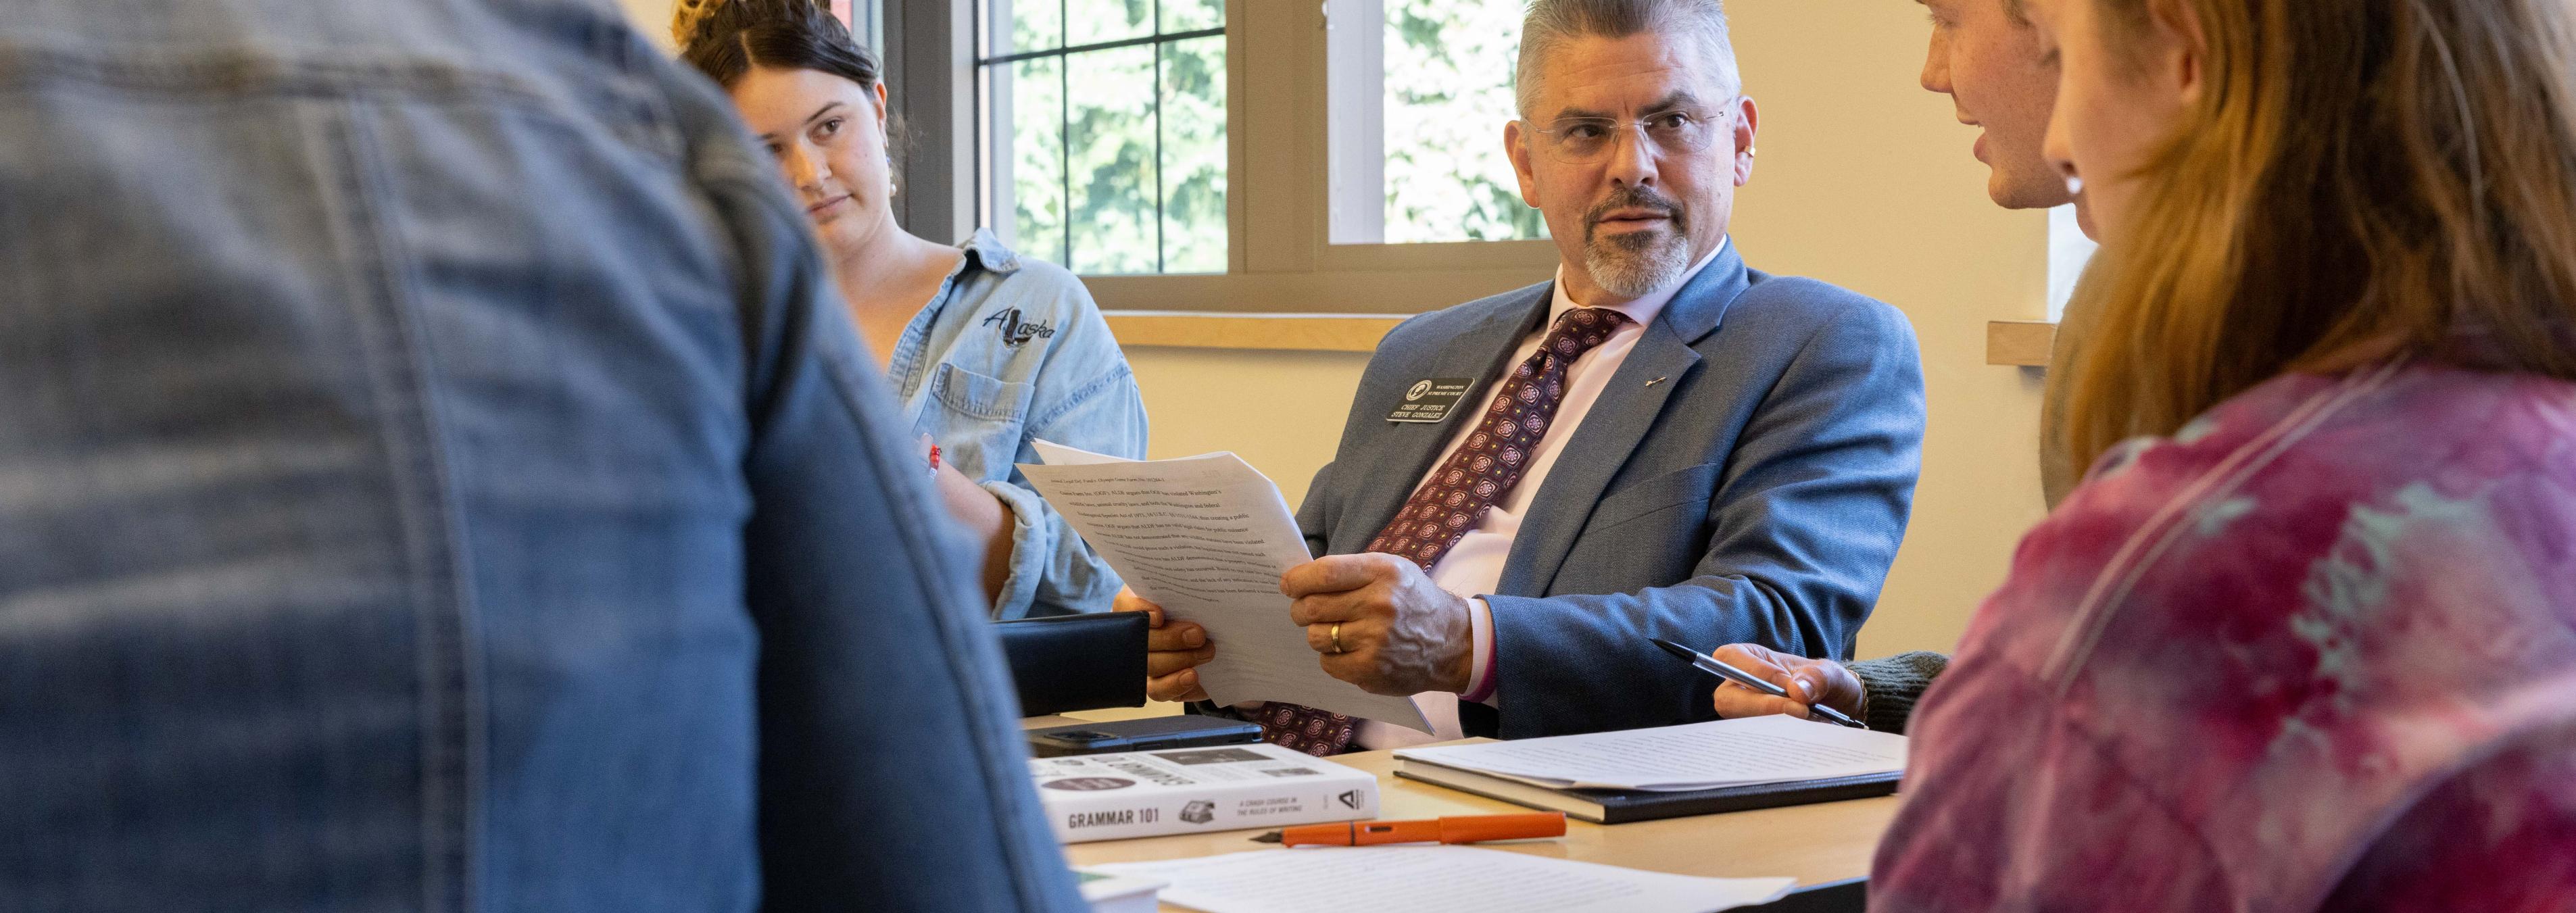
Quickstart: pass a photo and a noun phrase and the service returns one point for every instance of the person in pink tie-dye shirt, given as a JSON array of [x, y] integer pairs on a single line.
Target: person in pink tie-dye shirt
[[2305, 638]]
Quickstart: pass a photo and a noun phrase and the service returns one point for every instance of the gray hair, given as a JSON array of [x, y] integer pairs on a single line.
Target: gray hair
[[1550, 23]]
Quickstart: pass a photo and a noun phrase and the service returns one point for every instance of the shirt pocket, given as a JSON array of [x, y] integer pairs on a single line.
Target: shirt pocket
[[1694, 485], [976, 396]]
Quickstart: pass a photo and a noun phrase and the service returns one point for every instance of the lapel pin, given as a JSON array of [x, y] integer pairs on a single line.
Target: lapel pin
[[1654, 382]]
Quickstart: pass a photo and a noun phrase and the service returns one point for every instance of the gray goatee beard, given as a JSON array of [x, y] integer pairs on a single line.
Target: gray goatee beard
[[1630, 266], [1634, 264]]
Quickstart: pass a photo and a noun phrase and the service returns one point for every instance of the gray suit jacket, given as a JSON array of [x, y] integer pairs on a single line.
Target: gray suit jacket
[[1755, 490]]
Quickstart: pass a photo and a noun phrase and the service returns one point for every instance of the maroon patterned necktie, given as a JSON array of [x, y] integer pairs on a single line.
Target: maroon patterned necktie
[[1469, 482]]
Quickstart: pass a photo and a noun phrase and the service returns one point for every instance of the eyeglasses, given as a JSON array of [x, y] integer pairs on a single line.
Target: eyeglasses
[[1586, 140]]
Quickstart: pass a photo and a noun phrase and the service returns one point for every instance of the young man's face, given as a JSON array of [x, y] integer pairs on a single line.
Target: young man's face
[[1991, 63]]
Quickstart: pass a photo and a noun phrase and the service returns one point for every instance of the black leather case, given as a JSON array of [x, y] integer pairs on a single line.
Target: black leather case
[[1076, 662]]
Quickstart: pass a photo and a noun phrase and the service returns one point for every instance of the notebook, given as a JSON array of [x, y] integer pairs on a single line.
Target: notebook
[[1668, 772]]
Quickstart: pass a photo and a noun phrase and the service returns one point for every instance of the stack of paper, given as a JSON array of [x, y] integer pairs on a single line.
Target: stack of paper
[[1118, 893], [1207, 538], [1406, 879], [1699, 756]]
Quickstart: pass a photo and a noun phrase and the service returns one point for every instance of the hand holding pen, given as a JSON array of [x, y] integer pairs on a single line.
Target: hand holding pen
[[1760, 682]]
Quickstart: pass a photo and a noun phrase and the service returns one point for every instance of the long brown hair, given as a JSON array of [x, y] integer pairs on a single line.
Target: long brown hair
[[2360, 179]]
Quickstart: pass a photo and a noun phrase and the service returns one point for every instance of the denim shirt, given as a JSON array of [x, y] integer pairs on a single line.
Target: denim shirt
[[1010, 351], [437, 475]]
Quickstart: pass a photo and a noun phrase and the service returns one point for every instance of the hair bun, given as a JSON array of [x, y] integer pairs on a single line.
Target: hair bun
[[697, 21]]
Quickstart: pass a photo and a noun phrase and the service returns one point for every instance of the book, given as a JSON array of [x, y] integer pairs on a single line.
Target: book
[[1192, 790], [1620, 806]]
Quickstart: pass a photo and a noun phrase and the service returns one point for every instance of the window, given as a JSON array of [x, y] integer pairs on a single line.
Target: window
[[1104, 132], [2068, 251], [1419, 92], [1181, 154]]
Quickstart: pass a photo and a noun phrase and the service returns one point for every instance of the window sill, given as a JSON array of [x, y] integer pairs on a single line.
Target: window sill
[[2025, 343], [1288, 332], [2022, 343]]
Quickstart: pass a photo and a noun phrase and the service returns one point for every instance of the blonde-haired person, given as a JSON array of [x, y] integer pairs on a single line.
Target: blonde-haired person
[[988, 350], [2306, 636]]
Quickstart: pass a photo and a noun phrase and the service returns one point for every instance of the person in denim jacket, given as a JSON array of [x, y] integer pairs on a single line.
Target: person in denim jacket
[[437, 476], [987, 350]]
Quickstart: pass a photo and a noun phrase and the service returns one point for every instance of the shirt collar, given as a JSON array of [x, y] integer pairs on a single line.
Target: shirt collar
[[1643, 310], [988, 253]]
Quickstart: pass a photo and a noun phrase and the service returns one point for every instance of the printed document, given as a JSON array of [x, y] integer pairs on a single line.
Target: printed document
[[1407, 879], [1743, 752], [1206, 538]]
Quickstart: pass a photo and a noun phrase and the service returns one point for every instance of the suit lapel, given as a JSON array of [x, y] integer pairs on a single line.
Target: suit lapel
[[1619, 421], [1402, 453]]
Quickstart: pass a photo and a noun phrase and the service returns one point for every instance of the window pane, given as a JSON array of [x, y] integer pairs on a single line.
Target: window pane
[[1026, 25], [1192, 15], [1111, 143], [1194, 228], [2068, 252], [1094, 21], [1034, 147], [1449, 68], [1417, 123]]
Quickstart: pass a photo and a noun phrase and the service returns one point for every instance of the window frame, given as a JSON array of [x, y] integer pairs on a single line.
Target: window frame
[[987, 102], [1279, 255]]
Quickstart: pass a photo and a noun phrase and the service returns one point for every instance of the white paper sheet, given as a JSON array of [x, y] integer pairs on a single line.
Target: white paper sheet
[[1768, 749], [1206, 538], [1427, 879]]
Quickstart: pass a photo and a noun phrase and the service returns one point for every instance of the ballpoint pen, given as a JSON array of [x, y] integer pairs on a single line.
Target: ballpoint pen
[[1713, 666], [1451, 829]]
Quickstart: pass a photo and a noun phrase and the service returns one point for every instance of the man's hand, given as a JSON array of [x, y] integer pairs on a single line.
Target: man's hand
[[1173, 652], [1807, 681], [1399, 633]]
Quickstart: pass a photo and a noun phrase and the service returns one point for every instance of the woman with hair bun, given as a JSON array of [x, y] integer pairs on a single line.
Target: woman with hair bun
[[988, 351]]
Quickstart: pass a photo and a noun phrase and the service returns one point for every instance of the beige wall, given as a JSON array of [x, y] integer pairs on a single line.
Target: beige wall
[[653, 17], [1865, 181]]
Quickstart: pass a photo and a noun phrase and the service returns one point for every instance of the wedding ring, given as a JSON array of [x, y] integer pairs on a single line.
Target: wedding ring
[[1337, 637]]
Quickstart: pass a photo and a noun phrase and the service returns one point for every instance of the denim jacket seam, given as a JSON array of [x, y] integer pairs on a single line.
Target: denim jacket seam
[[1082, 396], [436, 557], [253, 75]]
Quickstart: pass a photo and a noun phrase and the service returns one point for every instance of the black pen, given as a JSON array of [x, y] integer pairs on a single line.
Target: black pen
[[1712, 666]]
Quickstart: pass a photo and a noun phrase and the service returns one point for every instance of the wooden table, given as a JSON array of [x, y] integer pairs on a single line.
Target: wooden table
[[1812, 843]]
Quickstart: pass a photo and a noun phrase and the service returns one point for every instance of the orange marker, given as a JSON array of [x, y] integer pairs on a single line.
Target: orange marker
[[1453, 829]]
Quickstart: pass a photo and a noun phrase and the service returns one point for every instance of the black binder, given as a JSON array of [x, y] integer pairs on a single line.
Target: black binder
[[1076, 662], [1620, 806]]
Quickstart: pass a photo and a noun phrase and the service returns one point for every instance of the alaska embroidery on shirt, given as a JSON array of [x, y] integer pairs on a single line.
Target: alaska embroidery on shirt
[[1007, 322]]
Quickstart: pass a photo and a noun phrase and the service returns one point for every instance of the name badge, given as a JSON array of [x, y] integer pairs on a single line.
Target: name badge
[[1430, 401]]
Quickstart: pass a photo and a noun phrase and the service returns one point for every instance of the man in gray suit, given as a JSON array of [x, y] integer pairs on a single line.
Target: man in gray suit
[[1660, 443]]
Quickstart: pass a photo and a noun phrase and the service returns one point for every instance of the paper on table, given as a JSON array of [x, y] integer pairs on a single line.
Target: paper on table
[[1408, 879], [1206, 538], [1741, 752]]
